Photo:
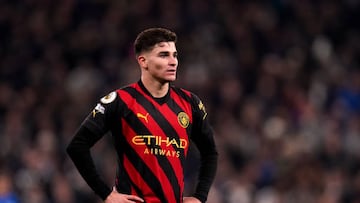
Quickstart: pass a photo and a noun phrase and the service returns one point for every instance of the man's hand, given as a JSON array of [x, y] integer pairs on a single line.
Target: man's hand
[[191, 200], [116, 197]]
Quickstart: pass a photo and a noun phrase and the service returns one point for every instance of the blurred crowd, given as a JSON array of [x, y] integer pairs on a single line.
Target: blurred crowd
[[280, 80]]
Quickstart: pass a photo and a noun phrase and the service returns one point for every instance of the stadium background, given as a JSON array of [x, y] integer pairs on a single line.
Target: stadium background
[[280, 80]]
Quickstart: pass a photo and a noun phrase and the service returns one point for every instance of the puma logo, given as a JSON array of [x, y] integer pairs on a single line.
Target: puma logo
[[140, 115]]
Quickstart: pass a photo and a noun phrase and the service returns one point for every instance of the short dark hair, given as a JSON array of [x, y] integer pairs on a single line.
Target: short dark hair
[[148, 38]]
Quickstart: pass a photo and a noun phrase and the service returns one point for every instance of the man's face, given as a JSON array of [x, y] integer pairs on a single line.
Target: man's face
[[161, 62]]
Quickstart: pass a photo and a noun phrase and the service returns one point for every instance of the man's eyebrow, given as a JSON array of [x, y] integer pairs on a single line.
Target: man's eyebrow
[[164, 52], [167, 52]]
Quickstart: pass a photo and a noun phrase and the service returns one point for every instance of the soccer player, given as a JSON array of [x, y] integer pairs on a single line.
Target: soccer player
[[152, 123]]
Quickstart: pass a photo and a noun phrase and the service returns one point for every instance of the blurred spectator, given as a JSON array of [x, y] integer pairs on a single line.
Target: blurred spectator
[[7, 193]]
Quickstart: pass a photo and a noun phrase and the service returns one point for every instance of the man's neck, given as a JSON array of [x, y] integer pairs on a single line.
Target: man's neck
[[156, 89]]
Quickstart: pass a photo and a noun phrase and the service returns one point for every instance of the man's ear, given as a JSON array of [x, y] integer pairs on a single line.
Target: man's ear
[[142, 61]]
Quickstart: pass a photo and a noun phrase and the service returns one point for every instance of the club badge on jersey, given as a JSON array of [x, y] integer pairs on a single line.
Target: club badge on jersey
[[183, 119]]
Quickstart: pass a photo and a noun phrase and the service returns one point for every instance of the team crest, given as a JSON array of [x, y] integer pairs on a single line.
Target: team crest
[[108, 98], [183, 119]]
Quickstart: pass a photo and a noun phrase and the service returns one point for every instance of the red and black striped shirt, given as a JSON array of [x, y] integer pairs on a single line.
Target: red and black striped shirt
[[151, 138]]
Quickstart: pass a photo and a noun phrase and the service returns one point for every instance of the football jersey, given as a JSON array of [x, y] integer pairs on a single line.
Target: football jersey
[[151, 137]]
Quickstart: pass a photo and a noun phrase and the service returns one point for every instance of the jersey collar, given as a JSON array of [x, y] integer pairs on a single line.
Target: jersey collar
[[160, 100]]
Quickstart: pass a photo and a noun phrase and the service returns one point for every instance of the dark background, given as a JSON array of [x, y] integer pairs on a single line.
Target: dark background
[[280, 80]]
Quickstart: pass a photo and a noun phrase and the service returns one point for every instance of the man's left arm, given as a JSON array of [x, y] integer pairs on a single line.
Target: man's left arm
[[203, 137]]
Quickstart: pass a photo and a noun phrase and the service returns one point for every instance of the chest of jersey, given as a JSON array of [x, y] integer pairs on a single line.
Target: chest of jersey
[[157, 128]]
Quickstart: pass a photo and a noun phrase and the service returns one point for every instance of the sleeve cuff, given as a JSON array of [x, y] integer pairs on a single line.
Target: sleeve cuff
[[105, 193]]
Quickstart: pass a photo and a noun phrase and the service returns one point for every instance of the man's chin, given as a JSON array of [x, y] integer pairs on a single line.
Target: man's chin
[[170, 79]]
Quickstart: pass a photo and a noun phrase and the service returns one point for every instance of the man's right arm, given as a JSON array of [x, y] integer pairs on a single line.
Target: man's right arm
[[79, 152], [93, 128]]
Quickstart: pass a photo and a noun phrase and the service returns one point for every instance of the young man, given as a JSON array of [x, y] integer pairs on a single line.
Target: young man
[[152, 123]]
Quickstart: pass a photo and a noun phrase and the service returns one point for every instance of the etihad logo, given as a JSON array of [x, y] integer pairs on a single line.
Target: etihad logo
[[140, 115], [157, 143]]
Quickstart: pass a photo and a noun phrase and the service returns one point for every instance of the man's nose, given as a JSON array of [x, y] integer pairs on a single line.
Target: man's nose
[[173, 61]]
